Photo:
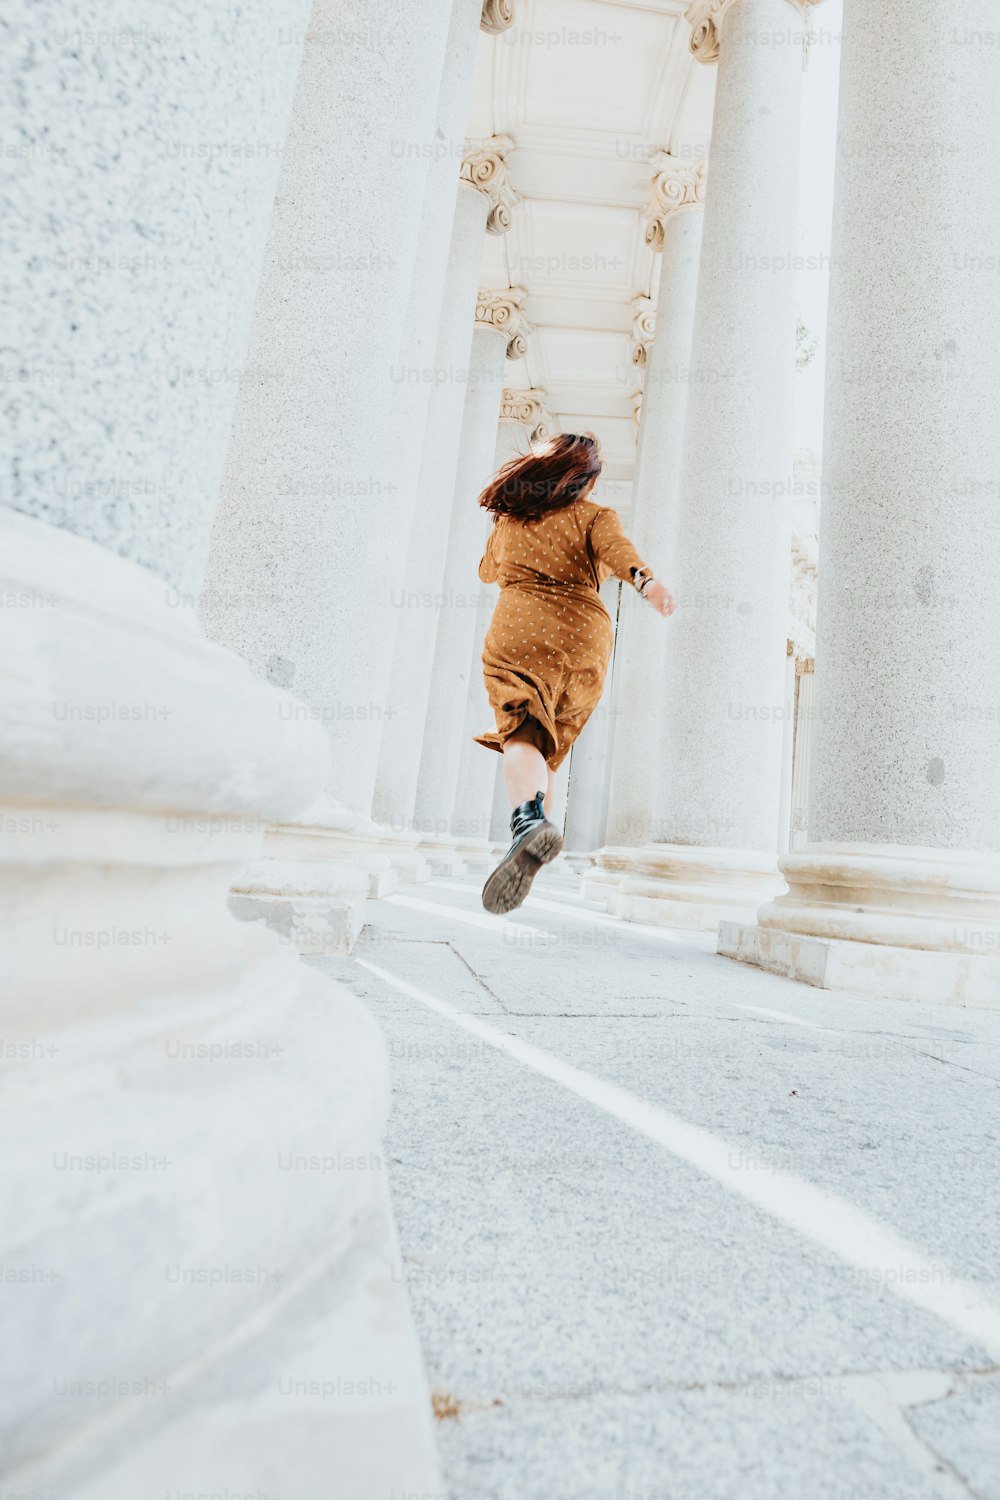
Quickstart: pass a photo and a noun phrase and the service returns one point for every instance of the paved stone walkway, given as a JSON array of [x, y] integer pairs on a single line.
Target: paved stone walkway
[[674, 1229]]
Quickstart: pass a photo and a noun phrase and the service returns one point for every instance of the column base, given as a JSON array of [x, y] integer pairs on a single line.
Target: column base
[[608, 867], [404, 856], [330, 834], [478, 855], [456, 856], [443, 857], [200, 1107], [892, 921], [675, 885], [318, 906], [866, 968], [330, 1335]]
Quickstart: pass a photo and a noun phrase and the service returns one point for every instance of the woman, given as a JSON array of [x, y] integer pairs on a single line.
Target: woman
[[550, 638]]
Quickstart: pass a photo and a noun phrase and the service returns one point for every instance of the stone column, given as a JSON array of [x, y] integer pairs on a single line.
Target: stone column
[[798, 694], [556, 808], [787, 750], [799, 820], [499, 334], [341, 498], [675, 227], [310, 534], [897, 891], [412, 393], [720, 763], [483, 206], [523, 421], [589, 780], [163, 1059]]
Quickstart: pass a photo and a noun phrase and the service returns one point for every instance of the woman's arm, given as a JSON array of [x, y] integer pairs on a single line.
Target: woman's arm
[[612, 548], [616, 553]]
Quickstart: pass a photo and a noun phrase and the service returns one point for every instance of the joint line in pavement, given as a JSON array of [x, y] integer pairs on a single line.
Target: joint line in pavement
[[824, 1218]]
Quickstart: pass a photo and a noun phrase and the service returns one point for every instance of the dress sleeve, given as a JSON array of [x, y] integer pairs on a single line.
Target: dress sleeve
[[488, 572], [612, 548]]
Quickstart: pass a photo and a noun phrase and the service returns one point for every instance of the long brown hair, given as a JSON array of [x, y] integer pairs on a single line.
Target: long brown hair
[[528, 487]]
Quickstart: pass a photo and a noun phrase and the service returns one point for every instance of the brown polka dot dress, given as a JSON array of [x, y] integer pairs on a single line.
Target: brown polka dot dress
[[549, 641]]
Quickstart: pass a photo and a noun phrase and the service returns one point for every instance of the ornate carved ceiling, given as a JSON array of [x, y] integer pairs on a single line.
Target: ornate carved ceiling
[[588, 91]]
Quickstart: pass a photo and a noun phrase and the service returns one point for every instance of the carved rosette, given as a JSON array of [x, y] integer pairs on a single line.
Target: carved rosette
[[705, 18], [497, 16], [643, 328], [504, 311], [528, 408], [677, 185], [484, 165]]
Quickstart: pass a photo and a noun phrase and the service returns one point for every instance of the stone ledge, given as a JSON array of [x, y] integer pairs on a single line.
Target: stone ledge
[[870, 969], [690, 886], [316, 905], [303, 846]]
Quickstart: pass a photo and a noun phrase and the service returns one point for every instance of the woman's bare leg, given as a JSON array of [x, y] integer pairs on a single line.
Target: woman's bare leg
[[524, 770], [536, 841]]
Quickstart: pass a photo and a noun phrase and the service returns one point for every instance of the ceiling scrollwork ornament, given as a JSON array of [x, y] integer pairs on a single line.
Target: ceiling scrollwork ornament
[[677, 185], [484, 165], [504, 311], [497, 16], [643, 328], [528, 409], [705, 17]]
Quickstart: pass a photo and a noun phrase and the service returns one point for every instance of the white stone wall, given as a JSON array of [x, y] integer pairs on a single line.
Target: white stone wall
[[172, 1068], [138, 183]]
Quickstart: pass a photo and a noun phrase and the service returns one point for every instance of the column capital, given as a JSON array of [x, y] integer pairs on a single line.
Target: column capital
[[676, 185], [705, 17], [528, 409], [497, 16], [643, 327], [503, 309], [484, 165]]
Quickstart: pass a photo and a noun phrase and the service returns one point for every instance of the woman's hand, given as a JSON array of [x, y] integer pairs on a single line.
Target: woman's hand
[[659, 596]]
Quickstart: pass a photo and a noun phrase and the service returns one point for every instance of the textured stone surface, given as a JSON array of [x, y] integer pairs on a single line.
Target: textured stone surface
[[310, 535], [612, 1322], [178, 724], [338, 1390], [586, 808], [160, 1057], [421, 597], [966, 1433], [478, 771], [724, 693], [944, 978], [455, 656], [196, 1116], [643, 642], [414, 384], [141, 148], [907, 728]]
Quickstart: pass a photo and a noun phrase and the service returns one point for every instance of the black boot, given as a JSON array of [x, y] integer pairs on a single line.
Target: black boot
[[536, 841]]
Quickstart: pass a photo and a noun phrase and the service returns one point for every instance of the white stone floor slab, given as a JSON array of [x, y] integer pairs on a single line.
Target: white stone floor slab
[[610, 1319]]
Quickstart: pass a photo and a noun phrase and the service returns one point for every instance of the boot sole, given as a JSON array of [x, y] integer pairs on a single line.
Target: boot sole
[[511, 881]]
